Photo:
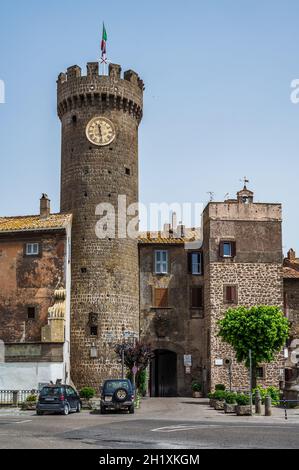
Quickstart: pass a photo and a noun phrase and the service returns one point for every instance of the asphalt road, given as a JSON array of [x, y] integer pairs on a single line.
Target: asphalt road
[[147, 429]]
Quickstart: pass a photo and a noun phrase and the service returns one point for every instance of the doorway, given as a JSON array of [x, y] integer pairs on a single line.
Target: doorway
[[164, 374]]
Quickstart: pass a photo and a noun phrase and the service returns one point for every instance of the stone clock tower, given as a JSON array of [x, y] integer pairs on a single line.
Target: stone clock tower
[[100, 116]]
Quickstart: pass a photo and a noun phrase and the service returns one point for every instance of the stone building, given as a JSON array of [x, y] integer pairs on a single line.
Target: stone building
[[238, 261], [73, 284], [100, 116], [242, 244], [35, 320]]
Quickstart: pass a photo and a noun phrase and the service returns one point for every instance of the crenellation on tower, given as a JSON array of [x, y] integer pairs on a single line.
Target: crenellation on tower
[[75, 90]]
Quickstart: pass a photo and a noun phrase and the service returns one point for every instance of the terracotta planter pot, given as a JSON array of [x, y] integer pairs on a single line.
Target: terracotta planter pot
[[219, 405], [212, 402], [243, 410], [197, 394], [230, 408]]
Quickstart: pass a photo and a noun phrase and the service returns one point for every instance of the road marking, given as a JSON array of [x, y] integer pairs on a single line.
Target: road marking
[[179, 428]]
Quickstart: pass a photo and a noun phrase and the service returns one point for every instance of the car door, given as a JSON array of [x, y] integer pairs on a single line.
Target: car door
[[70, 397], [74, 398]]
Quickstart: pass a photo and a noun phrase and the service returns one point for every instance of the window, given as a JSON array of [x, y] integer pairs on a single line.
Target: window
[[128, 171], [32, 249], [161, 262], [196, 297], [195, 263], [161, 298], [227, 249], [93, 331], [31, 313], [83, 270], [230, 294], [260, 373]]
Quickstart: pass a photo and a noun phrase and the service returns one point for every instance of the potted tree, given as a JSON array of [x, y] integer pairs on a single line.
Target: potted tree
[[244, 407], [86, 395], [196, 389]]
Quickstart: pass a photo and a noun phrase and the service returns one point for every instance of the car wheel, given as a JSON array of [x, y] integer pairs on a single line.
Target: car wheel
[[132, 409], [78, 408], [103, 410], [66, 410], [120, 395], [39, 413]]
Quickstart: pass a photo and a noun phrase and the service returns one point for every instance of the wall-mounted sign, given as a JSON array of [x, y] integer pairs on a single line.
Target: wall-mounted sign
[[188, 370], [187, 360], [218, 362]]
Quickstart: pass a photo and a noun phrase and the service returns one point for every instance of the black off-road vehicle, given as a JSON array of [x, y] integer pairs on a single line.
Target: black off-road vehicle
[[117, 394]]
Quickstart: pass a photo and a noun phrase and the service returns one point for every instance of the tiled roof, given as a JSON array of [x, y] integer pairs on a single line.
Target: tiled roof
[[190, 235], [290, 273], [31, 223]]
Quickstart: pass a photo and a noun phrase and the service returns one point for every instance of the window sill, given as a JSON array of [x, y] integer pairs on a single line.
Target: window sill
[[161, 308]]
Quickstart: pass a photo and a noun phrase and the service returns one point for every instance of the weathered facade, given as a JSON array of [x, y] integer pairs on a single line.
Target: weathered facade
[[100, 116], [248, 274], [33, 262]]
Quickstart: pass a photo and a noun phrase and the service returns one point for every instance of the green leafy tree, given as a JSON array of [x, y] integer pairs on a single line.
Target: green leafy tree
[[263, 329]]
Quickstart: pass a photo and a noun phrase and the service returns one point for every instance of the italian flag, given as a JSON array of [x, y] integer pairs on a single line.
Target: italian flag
[[104, 41]]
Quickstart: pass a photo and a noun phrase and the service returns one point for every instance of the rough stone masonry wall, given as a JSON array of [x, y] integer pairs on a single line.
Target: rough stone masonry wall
[[106, 293], [258, 284], [291, 296]]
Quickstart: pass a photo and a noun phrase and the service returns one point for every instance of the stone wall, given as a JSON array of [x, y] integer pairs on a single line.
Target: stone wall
[[28, 281]]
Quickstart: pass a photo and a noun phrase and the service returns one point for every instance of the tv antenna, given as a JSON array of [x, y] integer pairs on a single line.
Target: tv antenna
[[212, 195]]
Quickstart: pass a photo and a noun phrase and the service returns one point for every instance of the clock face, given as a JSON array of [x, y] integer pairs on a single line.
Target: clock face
[[100, 131]]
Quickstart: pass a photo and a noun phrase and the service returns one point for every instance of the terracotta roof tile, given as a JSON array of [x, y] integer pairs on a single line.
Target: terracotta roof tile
[[289, 273], [158, 238], [33, 223]]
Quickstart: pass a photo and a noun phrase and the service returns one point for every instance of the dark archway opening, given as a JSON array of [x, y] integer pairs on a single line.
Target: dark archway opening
[[164, 374]]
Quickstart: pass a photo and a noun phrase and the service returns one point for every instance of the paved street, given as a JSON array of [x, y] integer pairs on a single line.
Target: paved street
[[172, 423]]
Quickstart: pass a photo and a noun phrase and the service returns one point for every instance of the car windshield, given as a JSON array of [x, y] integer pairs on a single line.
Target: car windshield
[[111, 386], [51, 391]]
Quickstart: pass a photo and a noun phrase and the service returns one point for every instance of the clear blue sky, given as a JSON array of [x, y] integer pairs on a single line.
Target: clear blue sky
[[217, 101]]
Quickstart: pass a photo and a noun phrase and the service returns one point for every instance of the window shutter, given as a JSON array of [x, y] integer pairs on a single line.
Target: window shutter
[[161, 298], [234, 294], [234, 252], [221, 249], [189, 263]]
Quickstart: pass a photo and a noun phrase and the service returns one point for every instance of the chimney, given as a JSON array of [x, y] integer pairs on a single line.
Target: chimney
[[174, 222], [181, 232], [44, 207], [291, 255]]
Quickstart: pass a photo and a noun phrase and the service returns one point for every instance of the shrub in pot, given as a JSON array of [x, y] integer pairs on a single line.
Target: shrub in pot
[[86, 394], [196, 389], [230, 403], [244, 407], [30, 403], [219, 397]]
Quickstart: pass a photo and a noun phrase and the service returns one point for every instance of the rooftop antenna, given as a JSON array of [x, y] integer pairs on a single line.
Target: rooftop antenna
[[245, 180], [226, 196], [212, 195]]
